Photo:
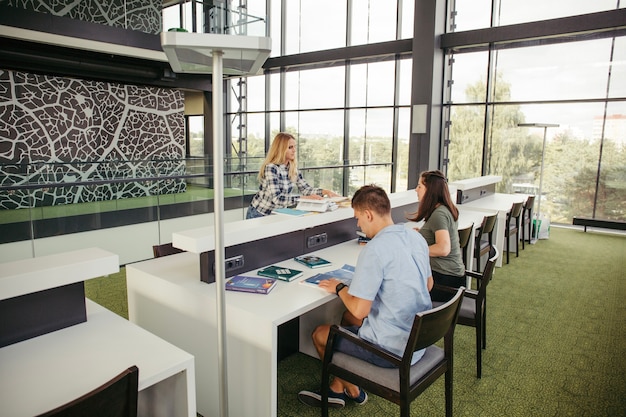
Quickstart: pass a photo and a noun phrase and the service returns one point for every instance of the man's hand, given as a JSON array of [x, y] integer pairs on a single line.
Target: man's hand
[[329, 285]]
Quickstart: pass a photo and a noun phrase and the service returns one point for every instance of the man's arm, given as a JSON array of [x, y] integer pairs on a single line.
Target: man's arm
[[358, 307]]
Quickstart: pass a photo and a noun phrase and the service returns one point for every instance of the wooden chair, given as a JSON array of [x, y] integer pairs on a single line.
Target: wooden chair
[[404, 383], [474, 306], [527, 219], [513, 228], [464, 237], [483, 246], [164, 250], [116, 398]]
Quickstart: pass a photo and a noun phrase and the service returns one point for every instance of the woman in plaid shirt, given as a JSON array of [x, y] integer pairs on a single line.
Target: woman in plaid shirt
[[278, 176]]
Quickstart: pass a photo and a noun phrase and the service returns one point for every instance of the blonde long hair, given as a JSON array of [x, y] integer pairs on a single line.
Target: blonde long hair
[[276, 155]]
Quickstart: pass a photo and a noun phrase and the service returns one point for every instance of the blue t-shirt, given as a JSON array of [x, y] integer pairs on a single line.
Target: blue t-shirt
[[392, 271]]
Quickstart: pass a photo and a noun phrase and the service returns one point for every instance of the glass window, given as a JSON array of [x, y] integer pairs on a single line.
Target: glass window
[[406, 75], [315, 89], [466, 142], [320, 137], [373, 21], [255, 93], [611, 198], [617, 87], [275, 29], [256, 135], [196, 135], [469, 73], [570, 155], [315, 25], [408, 11], [514, 11], [575, 70], [371, 133], [402, 160], [274, 80], [471, 14], [372, 84]]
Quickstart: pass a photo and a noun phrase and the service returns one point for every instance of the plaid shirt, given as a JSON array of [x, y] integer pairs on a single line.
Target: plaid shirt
[[275, 189]]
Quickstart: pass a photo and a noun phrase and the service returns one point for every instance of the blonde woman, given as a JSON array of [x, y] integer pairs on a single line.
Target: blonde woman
[[278, 176]]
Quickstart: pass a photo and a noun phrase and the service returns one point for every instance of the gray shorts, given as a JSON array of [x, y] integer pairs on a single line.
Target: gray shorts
[[346, 346]]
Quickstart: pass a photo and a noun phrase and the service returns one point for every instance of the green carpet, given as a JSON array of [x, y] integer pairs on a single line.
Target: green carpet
[[556, 340]]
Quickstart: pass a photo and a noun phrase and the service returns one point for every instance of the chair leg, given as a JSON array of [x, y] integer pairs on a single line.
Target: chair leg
[[507, 238], [479, 351], [517, 243], [448, 390]]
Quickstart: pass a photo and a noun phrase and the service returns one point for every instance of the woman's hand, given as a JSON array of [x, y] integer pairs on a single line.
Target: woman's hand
[[330, 193], [311, 197]]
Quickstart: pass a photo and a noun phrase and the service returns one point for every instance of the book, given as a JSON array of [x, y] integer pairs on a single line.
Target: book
[[290, 212], [362, 238], [280, 272], [250, 284], [312, 261], [312, 205], [343, 274]]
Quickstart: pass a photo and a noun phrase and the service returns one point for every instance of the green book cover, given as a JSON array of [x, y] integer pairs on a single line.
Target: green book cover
[[280, 272], [312, 261]]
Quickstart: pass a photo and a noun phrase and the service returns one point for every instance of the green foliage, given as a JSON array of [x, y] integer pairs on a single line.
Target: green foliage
[[570, 164]]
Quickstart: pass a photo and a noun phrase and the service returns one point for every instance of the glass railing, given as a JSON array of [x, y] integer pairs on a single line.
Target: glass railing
[[48, 206]]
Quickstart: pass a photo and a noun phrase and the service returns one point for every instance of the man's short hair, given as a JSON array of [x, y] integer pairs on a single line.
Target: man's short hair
[[371, 197]]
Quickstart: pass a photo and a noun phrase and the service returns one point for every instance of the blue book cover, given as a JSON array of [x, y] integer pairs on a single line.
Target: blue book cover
[[344, 274], [250, 284]]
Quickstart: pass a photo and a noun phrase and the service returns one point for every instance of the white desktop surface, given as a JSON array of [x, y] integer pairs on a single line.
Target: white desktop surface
[[166, 296], [469, 183], [47, 371], [501, 203]]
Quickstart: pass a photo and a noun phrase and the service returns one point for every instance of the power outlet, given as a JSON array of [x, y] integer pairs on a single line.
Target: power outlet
[[233, 263], [316, 240]]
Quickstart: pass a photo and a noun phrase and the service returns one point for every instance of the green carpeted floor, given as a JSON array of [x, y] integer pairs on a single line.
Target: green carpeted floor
[[556, 340]]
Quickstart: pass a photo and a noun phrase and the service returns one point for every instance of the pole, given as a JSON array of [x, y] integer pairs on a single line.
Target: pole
[[218, 211], [543, 154]]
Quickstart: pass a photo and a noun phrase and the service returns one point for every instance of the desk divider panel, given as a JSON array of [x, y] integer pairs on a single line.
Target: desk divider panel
[[465, 196], [31, 315]]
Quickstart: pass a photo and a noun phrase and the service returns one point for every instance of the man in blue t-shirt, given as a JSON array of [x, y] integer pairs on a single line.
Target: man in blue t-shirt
[[390, 286]]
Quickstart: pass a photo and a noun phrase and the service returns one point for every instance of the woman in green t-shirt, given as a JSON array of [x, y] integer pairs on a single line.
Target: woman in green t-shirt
[[440, 230]]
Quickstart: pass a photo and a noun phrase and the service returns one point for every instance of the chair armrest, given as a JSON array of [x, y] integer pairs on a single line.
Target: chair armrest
[[467, 293], [337, 331]]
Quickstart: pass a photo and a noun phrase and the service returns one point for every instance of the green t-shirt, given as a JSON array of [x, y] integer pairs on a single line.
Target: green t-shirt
[[452, 264]]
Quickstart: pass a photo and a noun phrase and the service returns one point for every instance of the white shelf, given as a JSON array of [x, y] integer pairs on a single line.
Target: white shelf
[[470, 183], [202, 239], [37, 274]]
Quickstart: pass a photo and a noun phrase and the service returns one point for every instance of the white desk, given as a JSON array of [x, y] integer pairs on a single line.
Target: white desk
[[166, 296], [500, 203], [44, 372]]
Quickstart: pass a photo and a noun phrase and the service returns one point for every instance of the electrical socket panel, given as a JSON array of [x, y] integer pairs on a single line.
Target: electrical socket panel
[[316, 240]]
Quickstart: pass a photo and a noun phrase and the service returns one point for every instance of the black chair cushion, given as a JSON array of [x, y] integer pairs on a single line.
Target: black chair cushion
[[388, 377], [468, 307]]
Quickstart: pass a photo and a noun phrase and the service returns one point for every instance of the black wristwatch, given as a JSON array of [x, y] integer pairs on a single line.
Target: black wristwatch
[[340, 287]]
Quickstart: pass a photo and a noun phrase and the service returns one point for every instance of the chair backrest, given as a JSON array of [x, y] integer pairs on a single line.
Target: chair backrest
[[528, 206], [164, 250], [432, 325], [489, 222], [516, 210], [115, 398], [487, 274], [464, 235]]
